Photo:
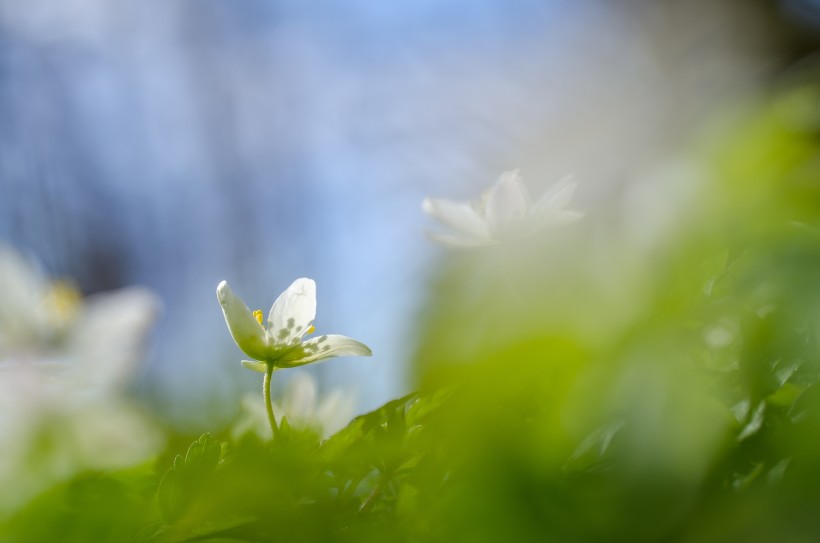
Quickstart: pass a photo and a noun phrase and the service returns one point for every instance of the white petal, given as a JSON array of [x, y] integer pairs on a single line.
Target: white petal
[[245, 329], [109, 339], [508, 203], [557, 197], [293, 312], [335, 411], [459, 241], [253, 417], [299, 401], [22, 291], [125, 435], [459, 216], [321, 348]]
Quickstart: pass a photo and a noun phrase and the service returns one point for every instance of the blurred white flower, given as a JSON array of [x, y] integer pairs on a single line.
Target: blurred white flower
[[504, 212], [282, 342], [64, 364], [301, 405], [34, 312]]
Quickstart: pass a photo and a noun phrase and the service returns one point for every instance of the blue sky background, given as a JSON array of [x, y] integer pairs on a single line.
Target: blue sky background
[[176, 144]]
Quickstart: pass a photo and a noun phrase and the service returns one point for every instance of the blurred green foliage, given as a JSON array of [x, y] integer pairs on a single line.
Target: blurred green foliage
[[578, 386]]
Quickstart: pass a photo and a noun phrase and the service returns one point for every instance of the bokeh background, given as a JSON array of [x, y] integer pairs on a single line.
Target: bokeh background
[[176, 144]]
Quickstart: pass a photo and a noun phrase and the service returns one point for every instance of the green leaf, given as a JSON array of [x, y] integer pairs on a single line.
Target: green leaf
[[592, 449], [179, 486], [785, 395], [755, 422], [712, 269]]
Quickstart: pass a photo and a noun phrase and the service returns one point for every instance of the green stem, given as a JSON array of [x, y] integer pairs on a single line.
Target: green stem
[[268, 405]]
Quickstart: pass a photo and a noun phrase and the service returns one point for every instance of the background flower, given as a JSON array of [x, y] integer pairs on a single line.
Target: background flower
[[303, 407], [504, 212], [65, 364]]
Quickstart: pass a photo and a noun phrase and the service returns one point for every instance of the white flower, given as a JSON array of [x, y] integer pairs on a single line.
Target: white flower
[[503, 213], [34, 312], [64, 365], [282, 342], [95, 342], [303, 408]]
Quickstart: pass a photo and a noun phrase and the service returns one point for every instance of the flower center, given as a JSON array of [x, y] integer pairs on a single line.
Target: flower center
[[258, 316], [63, 301]]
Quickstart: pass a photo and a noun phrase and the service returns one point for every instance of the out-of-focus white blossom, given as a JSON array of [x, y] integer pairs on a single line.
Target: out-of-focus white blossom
[[504, 212], [64, 365], [282, 342], [301, 406], [34, 313]]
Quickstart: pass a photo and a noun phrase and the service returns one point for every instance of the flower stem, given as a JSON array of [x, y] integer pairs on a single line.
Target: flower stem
[[266, 394]]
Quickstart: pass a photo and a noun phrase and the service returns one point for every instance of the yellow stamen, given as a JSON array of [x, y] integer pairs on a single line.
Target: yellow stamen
[[63, 301], [258, 315], [310, 329]]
